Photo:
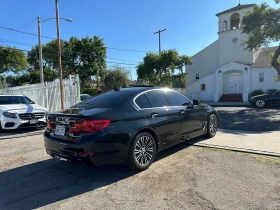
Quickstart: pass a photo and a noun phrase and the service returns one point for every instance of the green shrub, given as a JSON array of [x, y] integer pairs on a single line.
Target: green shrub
[[256, 92], [271, 91], [90, 91]]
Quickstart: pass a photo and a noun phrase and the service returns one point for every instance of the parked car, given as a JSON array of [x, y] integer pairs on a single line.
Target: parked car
[[261, 101], [129, 125], [84, 97], [18, 111]]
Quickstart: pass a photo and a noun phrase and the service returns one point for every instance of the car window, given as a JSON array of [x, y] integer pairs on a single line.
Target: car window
[[142, 101], [15, 100], [105, 100], [157, 98], [85, 97], [177, 99]]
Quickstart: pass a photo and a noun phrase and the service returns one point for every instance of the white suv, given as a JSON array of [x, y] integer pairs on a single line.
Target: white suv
[[18, 111]]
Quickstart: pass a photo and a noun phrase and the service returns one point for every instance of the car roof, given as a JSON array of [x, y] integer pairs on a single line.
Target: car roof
[[138, 89]]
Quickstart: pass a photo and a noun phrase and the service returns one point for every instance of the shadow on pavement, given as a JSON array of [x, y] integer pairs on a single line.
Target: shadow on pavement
[[49, 181], [250, 119], [7, 134]]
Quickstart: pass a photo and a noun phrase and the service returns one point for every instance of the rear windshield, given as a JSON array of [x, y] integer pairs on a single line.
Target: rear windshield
[[105, 100]]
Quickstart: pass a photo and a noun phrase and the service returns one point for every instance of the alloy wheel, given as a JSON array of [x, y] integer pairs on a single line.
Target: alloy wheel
[[260, 103], [213, 124], [144, 150]]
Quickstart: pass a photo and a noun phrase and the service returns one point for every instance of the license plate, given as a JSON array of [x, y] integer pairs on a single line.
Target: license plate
[[60, 130], [33, 121]]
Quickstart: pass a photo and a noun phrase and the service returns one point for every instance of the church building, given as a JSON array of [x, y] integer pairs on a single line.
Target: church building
[[224, 70]]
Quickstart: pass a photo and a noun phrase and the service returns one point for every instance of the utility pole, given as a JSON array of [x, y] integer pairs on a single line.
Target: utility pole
[[158, 32], [40, 51], [59, 56]]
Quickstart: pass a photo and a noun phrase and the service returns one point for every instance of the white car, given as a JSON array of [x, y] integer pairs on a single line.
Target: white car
[[18, 111]]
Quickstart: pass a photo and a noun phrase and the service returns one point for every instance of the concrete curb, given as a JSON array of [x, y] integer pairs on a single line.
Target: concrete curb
[[236, 149]]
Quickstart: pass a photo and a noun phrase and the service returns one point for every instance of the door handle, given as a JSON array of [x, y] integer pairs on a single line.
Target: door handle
[[182, 112], [154, 115]]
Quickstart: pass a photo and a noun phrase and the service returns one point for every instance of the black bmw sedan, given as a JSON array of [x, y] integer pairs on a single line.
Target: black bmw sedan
[[264, 100], [129, 125]]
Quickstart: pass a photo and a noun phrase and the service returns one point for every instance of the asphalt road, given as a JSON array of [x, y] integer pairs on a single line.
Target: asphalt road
[[249, 119], [183, 177]]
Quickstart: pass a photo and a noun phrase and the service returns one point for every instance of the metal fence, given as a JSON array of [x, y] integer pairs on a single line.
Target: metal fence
[[48, 94]]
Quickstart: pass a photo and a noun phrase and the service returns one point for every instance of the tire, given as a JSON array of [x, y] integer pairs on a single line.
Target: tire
[[142, 152], [212, 126], [260, 103]]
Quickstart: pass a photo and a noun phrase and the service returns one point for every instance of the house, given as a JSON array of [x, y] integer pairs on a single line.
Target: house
[[224, 70]]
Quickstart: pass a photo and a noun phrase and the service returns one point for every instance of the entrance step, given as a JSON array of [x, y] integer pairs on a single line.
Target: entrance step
[[231, 98]]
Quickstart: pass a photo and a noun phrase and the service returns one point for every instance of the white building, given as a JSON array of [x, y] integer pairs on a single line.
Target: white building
[[224, 71]]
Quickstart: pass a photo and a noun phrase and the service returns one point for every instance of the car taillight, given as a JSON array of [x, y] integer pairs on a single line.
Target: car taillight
[[49, 126], [89, 126]]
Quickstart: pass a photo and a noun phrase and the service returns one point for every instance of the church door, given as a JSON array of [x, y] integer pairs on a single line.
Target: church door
[[235, 84]]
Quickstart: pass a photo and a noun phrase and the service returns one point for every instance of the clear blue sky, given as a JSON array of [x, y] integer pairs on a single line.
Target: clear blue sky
[[125, 24]]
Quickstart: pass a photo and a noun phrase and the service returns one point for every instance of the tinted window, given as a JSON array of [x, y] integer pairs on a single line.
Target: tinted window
[[15, 100], [85, 97], [176, 98], [106, 100], [157, 98], [143, 102]]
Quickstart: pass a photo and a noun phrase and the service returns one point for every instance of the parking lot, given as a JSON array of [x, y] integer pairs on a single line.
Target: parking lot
[[249, 119], [183, 177]]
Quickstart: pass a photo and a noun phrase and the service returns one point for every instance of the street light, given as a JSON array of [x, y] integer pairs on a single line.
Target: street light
[[40, 44]]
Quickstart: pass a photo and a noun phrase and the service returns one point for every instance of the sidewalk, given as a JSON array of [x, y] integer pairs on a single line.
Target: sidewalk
[[225, 104], [266, 143]]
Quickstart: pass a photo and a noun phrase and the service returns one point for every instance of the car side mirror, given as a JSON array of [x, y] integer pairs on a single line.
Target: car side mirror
[[196, 102]]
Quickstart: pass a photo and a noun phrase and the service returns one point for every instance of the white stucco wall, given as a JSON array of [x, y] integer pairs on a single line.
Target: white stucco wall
[[269, 74], [194, 89], [233, 52], [204, 63]]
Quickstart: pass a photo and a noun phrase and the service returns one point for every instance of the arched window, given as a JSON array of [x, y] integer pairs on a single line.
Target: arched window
[[235, 21], [225, 26]]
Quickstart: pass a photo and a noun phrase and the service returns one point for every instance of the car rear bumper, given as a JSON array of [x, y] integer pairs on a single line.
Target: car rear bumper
[[104, 150]]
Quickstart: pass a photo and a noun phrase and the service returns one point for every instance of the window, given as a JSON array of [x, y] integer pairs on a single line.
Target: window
[[261, 77], [197, 76], [106, 100], [157, 98], [15, 100], [203, 87], [235, 21], [143, 102], [177, 99], [225, 25]]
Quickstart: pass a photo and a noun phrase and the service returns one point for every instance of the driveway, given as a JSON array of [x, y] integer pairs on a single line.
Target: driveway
[[249, 119], [183, 177]]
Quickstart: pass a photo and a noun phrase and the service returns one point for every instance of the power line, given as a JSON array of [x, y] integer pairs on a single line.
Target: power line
[[71, 62], [27, 24], [15, 42], [86, 8], [111, 12], [23, 32], [111, 48]]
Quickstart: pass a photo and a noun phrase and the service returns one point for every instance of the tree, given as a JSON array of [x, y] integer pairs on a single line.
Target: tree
[[116, 77], [12, 59], [158, 69], [86, 57], [262, 26]]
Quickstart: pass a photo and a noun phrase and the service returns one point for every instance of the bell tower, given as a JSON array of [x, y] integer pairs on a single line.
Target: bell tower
[[231, 37]]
